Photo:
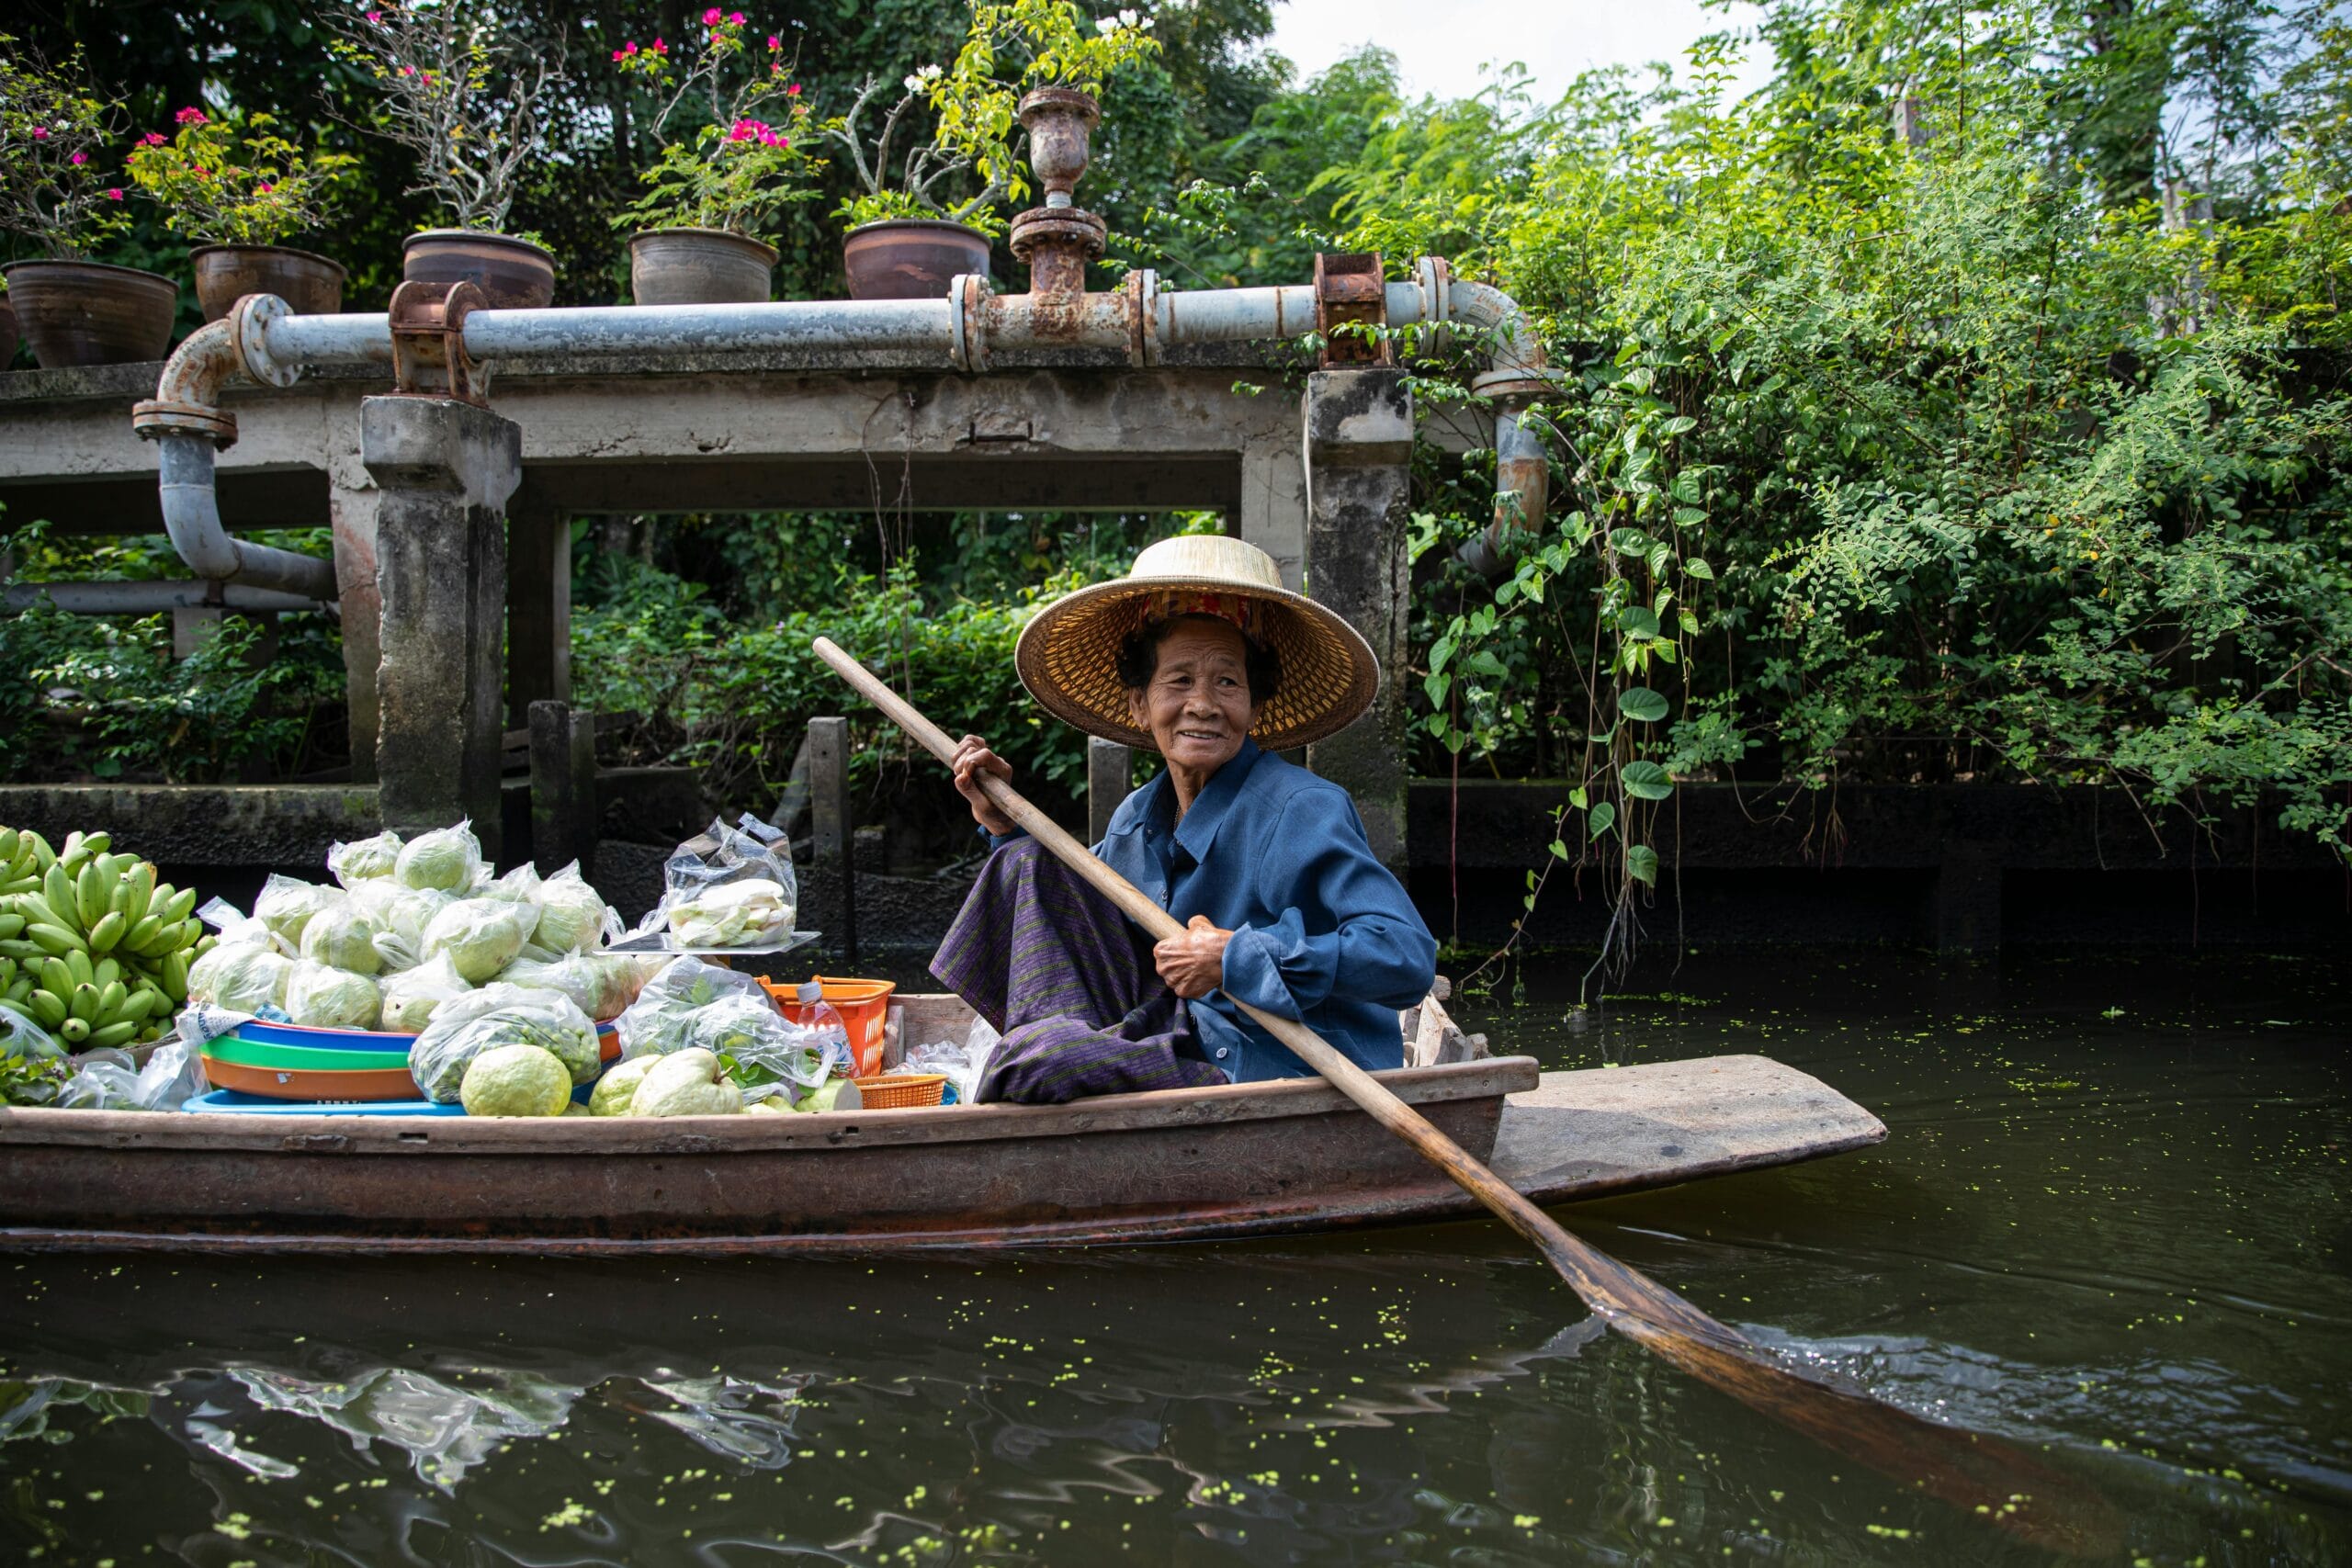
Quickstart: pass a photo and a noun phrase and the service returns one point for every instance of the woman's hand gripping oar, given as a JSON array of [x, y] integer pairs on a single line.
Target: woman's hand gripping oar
[[2013, 1489]]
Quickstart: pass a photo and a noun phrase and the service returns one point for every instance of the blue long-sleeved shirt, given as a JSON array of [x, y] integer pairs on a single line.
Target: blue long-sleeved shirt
[[1322, 932]]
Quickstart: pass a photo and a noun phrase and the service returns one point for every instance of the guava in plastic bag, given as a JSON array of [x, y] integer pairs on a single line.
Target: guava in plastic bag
[[448, 858], [412, 996], [401, 914], [515, 1080], [342, 937], [481, 936], [599, 985], [464, 1027], [691, 1005], [364, 860], [689, 1083], [574, 917], [731, 886], [287, 904], [520, 885], [321, 997], [244, 976]]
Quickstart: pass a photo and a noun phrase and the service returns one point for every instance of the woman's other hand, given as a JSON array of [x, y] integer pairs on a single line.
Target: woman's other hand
[[973, 758], [1193, 961]]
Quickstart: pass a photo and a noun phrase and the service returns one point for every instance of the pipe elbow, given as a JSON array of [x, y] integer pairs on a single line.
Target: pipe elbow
[[187, 395], [1517, 366], [191, 510]]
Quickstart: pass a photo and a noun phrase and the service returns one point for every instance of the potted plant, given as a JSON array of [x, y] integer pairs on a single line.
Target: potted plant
[[54, 192], [237, 188], [696, 242], [475, 106], [905, 239]]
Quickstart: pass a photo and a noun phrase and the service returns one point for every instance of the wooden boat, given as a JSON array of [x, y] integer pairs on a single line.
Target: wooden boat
[[1234, 1160]]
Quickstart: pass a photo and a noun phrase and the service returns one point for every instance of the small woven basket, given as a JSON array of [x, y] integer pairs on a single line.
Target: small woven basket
[[901, 1091]]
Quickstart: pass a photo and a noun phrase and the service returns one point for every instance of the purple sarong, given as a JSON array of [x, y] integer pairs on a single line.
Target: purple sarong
[[1068, 981]]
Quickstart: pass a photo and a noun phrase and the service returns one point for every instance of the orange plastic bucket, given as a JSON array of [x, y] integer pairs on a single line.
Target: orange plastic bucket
[[864, 1007]]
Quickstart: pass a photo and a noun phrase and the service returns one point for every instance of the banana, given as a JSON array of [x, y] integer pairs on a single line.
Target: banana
[[85, 1003], [11, 925], [141, 885], [20, 994], [75, 1031], [77, 964], [49, 1008], [106, 932], [111, 997], [56, 977], [90, 894], [15, 885], [10, 842], [21, 948], [8, 973], [181, 905], [112, 1034], [138, 936], [206, 944], [57, 890], [72, 848], [175, 976], [43, 855], [55, 939], [104, 972], [99, 843], [138, 1006]]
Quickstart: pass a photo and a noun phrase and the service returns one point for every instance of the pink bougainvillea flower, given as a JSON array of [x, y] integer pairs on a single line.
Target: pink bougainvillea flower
[[114, 193], [375, 15], [191, 117], [734, 18], [264, 189], [153, 139], [660, 48], [774, 42], [40, 133], [79, 159], [710, 18], [793, 91]]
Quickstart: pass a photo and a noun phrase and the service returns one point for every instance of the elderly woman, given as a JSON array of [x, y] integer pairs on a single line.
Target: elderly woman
[[1202, 655]]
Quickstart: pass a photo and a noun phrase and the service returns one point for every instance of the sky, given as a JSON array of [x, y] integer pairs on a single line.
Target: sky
[[1442, 45]]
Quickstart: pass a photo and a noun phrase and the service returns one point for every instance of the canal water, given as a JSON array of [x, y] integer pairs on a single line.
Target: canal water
[[2107, 1226]]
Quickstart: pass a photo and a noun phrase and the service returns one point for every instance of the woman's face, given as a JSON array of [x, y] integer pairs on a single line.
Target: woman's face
[[1197, 707]]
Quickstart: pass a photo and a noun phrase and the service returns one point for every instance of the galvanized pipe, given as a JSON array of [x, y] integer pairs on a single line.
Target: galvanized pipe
[[148, 598], [192, 519], [874, 326]]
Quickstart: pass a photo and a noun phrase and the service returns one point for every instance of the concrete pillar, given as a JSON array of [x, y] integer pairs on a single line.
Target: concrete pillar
[[351, 513], [538, 606], [564, 808], [443, 472], [1109, 766], [1359, 446], [832, 849], [1273, 505]]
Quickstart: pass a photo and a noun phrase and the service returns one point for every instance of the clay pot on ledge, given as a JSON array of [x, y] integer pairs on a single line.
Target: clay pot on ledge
[[79, 312], [699, 267], [512, 275], [310, 285], [910, 258]]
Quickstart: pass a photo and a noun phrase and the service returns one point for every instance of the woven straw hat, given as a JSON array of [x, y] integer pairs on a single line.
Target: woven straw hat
[[1069, 655]]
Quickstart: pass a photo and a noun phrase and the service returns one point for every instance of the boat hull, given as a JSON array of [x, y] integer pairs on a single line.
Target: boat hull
[[1233, 1160]]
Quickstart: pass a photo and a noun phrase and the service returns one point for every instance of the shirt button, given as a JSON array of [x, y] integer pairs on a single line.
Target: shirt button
[[1220, 1052]]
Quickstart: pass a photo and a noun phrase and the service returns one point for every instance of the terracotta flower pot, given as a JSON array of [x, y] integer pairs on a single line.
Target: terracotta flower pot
[[77, 312], [225, 273], [512, 275], [910, 258], [7, 333], [699, 267]]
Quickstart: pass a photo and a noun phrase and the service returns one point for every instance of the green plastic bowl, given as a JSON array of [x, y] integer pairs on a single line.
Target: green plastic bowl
[[300, 1058]]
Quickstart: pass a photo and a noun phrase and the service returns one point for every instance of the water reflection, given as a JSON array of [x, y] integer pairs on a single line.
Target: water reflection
[[2145, 1302]]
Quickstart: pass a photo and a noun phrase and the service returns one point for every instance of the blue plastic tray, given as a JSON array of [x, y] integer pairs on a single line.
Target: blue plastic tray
[[266, 1033]]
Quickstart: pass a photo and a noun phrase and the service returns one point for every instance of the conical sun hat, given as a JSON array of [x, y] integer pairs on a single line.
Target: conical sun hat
[[1069, 655]]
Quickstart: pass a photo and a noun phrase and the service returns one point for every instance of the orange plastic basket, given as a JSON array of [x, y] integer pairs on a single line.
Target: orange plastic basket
[[902, 1091], [864, 1007]]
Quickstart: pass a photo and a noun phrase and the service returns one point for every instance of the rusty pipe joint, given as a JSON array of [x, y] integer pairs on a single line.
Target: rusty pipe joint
[[187, 395]]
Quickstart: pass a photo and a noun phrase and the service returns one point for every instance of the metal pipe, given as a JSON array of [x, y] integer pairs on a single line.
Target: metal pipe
[[148, 598], [880, 325], [192, 519]]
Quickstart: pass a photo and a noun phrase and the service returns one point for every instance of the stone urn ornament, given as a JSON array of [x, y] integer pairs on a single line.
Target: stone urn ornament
[[1057, 239]]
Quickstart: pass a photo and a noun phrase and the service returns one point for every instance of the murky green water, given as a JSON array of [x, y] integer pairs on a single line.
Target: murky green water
[[2110, 1220]]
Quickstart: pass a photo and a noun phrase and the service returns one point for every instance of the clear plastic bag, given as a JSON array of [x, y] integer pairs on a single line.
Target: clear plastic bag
[[464, 1027], [447, 858], [287, 904], [963, 1061], [364, 860], [480, 935], [343, 937], [113, 1080], [520, 885], [321, 997], [412, 995], [574, 917], [32, 1066], [731, 887], [401, 914], [244, 972], [692, 1005], [599, 985]]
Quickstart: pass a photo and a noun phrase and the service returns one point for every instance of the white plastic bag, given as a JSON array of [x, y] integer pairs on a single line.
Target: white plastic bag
[[448, 858], [963, 1061], [364, 860], [401, 914], [692, 1005], [113, 1080], [731, 887], [480, 935], [466, 1026], [599, 985], [321, 997], [574, 917], [412, 995], [287, 904]]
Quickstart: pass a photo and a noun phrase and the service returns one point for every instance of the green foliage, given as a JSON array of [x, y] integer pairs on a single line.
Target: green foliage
[[56, 185], [735, 171], [234, 180]]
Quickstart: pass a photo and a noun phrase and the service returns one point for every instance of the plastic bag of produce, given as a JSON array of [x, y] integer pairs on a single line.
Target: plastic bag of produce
[[729, 887], [342, 937], [364, 860], [599, 985], [962, 1060], [32, 1066], [244, 976], [287, 904], [520, 885], [113, 1080], [481, 936], [412, 996], [690, 1083], [448, 858], [464, 1027], [691, 1005], [321, 997], [574, 917], [401, 914]]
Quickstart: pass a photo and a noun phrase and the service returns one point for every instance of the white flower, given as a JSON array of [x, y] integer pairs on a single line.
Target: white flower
[[930, 72], [1106, 26], [1127, 18], [913, 83]]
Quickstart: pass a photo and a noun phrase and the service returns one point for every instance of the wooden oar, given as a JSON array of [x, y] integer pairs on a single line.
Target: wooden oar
[[2003, 1483]]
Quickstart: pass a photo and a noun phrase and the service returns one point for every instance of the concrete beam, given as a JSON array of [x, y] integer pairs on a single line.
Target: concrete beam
[[445, 471], [1359, 442]]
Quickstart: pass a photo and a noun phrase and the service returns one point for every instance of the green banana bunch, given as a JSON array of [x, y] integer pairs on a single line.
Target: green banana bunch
[[93, 947]]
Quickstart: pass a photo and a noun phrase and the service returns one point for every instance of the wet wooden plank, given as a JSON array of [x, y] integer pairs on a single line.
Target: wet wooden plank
[[1589, 1133]]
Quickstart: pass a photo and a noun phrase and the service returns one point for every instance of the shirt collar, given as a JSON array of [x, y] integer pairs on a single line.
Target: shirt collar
[[1198, 830]]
